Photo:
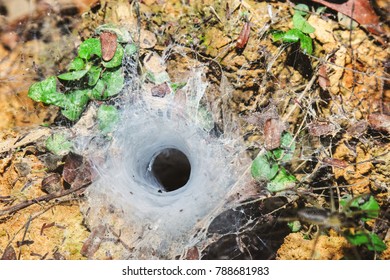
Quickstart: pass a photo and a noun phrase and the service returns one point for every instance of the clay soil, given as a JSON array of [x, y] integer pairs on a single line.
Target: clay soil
[[335, 101]]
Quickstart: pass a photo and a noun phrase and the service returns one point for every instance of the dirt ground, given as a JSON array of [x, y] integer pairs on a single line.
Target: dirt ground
[[334, 101]]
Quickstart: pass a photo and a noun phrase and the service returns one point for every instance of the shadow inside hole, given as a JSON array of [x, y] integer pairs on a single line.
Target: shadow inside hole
[[172, 169]]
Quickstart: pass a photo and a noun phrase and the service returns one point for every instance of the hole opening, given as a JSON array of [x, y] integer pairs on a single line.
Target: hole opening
[[171, 168]]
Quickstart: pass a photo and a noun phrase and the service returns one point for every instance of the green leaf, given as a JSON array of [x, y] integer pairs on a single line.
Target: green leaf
[[277, 35], [263, 168], [116, 60], [278, 154], [114, 81], [287, 148], [376, 244], [176, 86], [110, 84], [158, 78], [108, 117], [74, 75], [306, 44], [370, 240], [371, 207], [58, 144], [300, 23], [205, 118], [72, 113], [94, 75], [282, 181], [98, 90], [76, 103], [77, 64], [301, 9], [287, 141], [46, 92], [131, 49], [38, 90], [294, 226], [90, 47], [292, 36]]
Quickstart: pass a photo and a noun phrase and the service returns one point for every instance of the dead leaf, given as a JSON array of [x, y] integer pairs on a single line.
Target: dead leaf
[[92, 244], [359, 10], [192, 254], [147, 39], [160, 90], [380, 122], [335, 162], [273, 129], [109, 44], [357, 128], [321, 128], [77, 171], [9, 253], [58, 256], [28, 138], [244, 36], [259, 118], [45, 226], [323, 79], [51, 183]]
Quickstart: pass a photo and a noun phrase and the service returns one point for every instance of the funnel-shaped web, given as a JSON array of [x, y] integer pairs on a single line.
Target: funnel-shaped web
[[166, 175]]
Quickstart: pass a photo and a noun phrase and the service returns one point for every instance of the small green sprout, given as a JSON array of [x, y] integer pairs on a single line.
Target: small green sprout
[[58, 144], [264, 168], [89, 76], [177, 86], [108, 118], [370, 240], [268, 166], [369, 210], [300, 30], [294, 226], [370, 207]]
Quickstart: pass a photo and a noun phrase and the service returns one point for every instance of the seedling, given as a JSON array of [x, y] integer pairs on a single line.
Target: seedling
[[354, 212], [89, 77], [300, 31], [176, 86], [58, 144], [366, 211], [268, 166]]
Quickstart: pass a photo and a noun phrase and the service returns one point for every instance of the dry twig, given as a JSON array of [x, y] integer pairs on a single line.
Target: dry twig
[[46, 198]]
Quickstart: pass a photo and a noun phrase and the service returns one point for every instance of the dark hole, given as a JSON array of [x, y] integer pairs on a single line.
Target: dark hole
[[299, 61], [172, 169], [3, 10]]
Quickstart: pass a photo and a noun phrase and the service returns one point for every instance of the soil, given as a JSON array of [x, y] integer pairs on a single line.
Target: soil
[[334, 101]]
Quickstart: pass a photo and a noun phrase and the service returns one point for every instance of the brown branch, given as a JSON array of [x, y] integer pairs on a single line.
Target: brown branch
[[24, 236], [46, 198]]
